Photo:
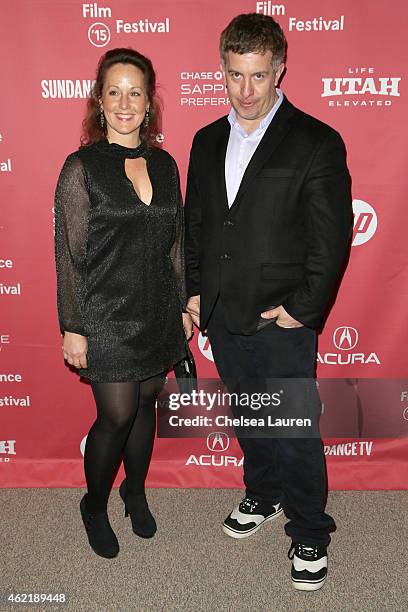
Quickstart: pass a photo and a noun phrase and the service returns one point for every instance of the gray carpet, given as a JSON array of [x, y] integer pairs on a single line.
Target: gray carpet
[[190, 565]]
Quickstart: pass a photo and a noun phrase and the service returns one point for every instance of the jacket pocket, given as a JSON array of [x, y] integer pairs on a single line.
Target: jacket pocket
[[282, 271], [277, 173]]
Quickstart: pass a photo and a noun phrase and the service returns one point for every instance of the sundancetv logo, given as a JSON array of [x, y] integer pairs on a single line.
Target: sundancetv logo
[[217, 443], [349, 449]]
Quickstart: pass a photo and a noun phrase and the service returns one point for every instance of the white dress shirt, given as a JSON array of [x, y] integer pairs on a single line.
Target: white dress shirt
[[242, 146]]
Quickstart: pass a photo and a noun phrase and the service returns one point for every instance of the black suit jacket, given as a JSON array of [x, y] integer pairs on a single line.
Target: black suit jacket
[[285, 238]]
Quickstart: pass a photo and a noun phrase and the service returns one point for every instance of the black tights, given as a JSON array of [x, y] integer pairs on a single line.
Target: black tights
[[125, 427]]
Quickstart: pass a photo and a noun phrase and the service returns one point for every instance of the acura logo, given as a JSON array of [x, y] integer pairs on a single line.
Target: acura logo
[[217, 441], [345, 338]]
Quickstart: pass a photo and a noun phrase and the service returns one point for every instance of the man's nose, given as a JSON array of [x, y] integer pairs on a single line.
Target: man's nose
[[247, 88]]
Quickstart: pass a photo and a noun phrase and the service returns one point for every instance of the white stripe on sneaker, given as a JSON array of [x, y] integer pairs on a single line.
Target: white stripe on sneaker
[[243, 519], [311, 566]]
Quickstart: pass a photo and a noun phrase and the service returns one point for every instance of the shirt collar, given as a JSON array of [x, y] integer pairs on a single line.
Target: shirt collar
[[232, 116]]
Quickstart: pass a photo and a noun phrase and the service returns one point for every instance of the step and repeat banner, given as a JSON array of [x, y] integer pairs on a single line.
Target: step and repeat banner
[[347, 66]]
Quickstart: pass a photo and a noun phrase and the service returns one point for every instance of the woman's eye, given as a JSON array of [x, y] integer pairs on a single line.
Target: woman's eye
[[135, 93], [113, 92]]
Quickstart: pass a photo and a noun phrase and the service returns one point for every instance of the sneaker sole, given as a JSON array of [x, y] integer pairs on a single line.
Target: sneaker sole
[[308, 586], [239, 535]]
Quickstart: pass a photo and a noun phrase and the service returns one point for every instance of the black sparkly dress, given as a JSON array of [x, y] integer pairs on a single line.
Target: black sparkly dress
[[120, 269]]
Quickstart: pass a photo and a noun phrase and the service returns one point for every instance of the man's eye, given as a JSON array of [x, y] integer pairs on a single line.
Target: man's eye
[[259, 76]]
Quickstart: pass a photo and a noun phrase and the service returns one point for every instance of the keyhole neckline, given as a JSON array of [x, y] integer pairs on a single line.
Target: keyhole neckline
[[131, 184], [142, 150]]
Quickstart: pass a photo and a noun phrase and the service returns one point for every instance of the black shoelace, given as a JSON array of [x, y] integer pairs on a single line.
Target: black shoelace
[[305, 551], [248, 504]]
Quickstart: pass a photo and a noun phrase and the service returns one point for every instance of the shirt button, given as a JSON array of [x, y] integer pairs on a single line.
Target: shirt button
[[228, 224], [225, 256]]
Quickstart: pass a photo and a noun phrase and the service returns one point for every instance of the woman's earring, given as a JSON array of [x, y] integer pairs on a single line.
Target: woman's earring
[[147, 118], [101, 117]]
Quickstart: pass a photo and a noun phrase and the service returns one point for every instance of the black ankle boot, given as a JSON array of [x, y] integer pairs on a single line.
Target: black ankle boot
[[143, 523], [101, 536]]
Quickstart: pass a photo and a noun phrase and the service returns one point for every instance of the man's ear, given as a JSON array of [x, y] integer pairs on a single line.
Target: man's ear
[[279, 73]]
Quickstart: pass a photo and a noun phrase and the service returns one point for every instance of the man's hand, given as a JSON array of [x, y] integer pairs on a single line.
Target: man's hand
[[193, 307], [75, 349], [283, 318], [187, 325]]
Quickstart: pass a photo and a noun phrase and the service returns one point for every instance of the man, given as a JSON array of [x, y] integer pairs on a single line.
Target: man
[[268, 226]]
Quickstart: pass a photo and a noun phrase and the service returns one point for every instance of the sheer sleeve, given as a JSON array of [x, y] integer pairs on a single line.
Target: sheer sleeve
[[71, 230], [177, 250]]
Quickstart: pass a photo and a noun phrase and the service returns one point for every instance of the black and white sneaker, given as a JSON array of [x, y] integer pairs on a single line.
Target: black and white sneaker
[[309, 566], [248, 516]]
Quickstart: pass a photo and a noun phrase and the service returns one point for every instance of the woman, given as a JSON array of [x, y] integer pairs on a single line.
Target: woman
[[120, 278]]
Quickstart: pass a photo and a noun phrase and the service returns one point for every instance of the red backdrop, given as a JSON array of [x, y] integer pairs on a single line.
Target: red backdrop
[[346, 66]]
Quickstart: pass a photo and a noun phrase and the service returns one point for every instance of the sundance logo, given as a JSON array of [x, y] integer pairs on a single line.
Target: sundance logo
[[345, 339], [217, 442], [66, 88], [365, 222]]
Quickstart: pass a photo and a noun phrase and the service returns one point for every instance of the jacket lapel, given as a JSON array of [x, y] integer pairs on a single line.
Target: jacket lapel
[[275, 133], [219, 161]]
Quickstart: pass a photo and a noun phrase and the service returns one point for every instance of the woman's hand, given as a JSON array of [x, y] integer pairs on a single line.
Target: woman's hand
[[75, 349], [188, 325]]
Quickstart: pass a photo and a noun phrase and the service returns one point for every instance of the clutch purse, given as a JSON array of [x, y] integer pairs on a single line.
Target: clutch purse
[[186, 373]]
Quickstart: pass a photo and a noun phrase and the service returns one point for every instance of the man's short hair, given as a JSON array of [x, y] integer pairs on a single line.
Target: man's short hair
[[254, 33]]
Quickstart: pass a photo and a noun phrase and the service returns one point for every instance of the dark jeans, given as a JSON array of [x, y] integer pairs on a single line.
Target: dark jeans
[[289, 470]]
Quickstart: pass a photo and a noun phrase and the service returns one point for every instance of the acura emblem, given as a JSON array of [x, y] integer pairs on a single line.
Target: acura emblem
[[217, 441], [345, 338]]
